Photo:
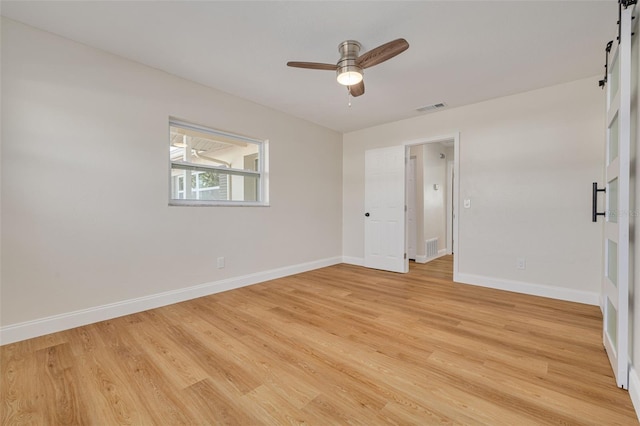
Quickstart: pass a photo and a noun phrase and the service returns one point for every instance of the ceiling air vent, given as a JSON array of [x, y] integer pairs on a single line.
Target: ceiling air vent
[[431, 107]]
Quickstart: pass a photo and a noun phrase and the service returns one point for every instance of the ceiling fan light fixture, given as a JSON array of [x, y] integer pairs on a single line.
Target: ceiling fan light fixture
[[349, 75], [349, 69]]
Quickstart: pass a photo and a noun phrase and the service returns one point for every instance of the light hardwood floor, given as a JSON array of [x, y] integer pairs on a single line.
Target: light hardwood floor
[[339, 345]]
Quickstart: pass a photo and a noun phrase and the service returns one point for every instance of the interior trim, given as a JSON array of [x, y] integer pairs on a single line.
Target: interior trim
[[39, 327]]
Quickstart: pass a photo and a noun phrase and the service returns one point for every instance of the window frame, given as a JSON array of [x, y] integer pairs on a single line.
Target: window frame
[[261, 174]]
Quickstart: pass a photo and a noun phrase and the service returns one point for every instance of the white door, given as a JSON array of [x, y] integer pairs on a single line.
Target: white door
[[412, 228], [384, 215], [615, 283]]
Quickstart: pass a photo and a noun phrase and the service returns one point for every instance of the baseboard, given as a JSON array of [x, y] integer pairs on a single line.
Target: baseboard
[[357, 261], [29, 329], [601, 303], [424, 259], [586, 297], [634, 390]]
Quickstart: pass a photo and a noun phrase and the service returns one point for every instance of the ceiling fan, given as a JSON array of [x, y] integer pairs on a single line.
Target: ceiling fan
[[350, 67]]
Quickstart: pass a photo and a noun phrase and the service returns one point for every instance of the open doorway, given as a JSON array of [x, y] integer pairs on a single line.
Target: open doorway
[[430, 199], [385, 214]]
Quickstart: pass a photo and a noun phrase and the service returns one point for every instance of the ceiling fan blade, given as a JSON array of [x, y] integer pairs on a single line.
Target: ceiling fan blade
[[357, 89], [382, 53], [313, 65]]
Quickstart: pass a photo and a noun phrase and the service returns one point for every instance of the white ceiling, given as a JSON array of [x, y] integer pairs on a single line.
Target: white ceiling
[[461, 52]]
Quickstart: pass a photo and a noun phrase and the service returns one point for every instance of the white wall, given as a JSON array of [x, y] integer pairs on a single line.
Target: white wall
[[85, 214], [526, 163], [417, 151], [430, 204], [435, 208]]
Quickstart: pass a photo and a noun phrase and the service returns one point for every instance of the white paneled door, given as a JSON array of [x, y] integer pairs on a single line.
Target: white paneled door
[[384, 215], [615, 283]]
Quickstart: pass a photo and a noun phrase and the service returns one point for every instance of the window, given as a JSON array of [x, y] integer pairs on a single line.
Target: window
[[211, 167]]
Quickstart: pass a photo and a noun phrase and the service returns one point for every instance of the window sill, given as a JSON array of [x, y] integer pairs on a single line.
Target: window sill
[[202, 203]]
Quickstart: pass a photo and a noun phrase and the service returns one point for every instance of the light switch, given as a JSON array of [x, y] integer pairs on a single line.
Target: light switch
[[467, 203]]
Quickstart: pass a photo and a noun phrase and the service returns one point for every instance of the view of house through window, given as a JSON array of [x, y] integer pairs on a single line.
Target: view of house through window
[[212, 167]]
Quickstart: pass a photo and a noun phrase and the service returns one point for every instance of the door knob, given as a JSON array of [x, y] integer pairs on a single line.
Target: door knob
[[367, 214]]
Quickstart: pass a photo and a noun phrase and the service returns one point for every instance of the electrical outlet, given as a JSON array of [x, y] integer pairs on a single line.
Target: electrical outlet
[[521, 263], [220, 262]]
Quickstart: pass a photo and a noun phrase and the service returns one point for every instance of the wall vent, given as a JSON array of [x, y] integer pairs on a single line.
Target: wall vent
[[431, 248], [431, 107]]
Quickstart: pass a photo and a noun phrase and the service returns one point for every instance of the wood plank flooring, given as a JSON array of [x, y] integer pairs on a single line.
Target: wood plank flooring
[[339, 345]]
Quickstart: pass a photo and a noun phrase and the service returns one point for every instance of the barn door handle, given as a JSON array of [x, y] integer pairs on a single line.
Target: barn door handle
[[594, 202]]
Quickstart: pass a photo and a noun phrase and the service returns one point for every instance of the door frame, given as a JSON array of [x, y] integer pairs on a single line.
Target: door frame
[[450, 198], [455, 137], [411, 212]]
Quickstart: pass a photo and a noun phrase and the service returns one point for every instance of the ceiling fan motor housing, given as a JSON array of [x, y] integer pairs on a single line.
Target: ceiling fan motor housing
[[349, 72]]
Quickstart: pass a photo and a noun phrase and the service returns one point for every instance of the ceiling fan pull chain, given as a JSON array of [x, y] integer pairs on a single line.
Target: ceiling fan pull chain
[[349, 96]]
